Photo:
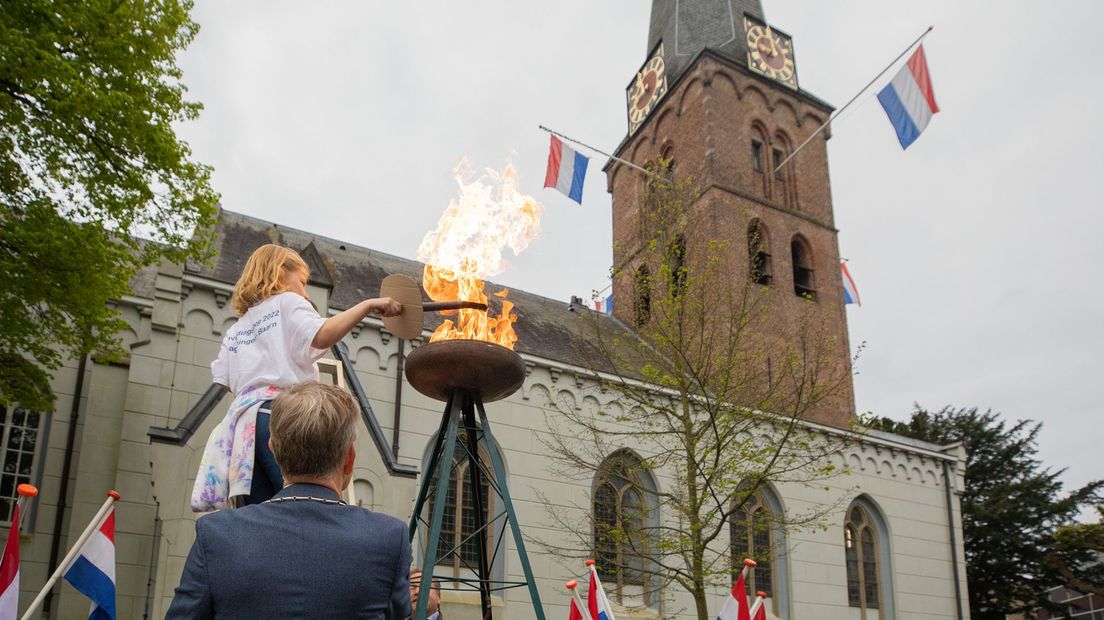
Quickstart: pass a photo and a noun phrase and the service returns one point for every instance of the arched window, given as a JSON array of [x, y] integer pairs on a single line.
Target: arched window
[[676, 261], [866, 552], [802, 258], [458, 522], [643, 298], [752, 532], [622, 519], [784, 177], [760, 151], [759, 254]]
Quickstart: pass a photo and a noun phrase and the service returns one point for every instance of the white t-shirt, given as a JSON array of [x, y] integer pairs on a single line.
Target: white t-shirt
[[270, 344]]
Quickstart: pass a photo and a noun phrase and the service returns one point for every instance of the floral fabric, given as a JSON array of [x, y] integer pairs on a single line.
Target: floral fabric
[[227, 466]]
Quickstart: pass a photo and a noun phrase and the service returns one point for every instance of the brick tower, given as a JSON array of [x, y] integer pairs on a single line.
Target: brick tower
[[718, 94]]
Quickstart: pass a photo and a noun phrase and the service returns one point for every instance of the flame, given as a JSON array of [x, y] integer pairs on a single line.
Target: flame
[[488, 215]]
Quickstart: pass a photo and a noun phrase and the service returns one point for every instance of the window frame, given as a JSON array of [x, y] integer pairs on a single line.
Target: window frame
[[38, 462], [630, 481]]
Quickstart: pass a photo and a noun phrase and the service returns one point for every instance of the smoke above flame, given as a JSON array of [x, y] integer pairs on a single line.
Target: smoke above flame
[[487, 216]]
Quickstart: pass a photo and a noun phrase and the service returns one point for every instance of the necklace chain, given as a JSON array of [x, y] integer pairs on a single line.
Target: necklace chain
[[305, 498]]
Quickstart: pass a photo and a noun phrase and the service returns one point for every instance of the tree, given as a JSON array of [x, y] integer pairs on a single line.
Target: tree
[[1011, 506], [94, 183], [1078, 555], [706, 392]]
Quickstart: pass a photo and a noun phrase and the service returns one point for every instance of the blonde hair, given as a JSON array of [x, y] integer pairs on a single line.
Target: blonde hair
[[263, 276], [312, 426]]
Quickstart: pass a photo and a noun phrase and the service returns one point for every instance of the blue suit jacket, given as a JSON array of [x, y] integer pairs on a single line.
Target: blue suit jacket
[[296, 559]]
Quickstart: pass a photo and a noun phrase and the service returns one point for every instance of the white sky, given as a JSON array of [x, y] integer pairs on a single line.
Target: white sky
[[976, 252]]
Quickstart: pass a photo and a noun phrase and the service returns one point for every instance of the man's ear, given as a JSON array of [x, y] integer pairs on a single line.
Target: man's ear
[[350, 460]]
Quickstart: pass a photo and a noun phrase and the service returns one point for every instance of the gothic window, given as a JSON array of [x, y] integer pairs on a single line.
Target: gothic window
[[458, 523], [784, 178], [643, 296], [676, 257], [756, 155], [620, 525], [863, 554], [20, 447], [759, 258], [802, 258], [752, 537]]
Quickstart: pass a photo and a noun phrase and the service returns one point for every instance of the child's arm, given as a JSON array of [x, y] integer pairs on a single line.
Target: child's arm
[[335, 327]]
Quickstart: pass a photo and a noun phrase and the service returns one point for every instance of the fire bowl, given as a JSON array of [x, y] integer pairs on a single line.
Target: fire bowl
[[475, 367]]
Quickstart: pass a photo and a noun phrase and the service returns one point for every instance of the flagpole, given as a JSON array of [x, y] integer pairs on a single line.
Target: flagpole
[[571, 585], [25, 491], [760, 599], [857, 95], [618, 159], [97, 522]]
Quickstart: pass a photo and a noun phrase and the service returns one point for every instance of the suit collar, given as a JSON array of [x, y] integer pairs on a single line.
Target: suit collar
[[309, 490]]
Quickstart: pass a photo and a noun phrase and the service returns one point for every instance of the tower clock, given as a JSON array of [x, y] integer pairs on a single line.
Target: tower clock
[[770, 52], [647, 89]]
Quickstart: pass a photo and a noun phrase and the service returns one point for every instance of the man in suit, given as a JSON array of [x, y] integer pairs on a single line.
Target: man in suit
[[304, 553]]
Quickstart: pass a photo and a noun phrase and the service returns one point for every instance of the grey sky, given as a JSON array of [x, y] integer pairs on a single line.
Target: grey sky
[[976, 251]]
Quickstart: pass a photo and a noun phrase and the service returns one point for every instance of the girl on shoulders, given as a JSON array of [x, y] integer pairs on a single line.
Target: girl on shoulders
[[274, 344]]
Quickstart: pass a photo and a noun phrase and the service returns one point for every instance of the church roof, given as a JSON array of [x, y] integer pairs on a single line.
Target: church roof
[[547, 328]]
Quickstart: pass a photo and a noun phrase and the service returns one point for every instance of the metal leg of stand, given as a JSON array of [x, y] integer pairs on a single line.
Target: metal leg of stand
[[434, 458], [475, 478], [445, 466], [504, 492]]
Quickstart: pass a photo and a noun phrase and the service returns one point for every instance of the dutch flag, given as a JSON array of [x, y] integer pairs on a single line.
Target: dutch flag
[[566, 170], [93, 572], [736, 605], [909, 100], [9, 572], [850, 291], [597, 603]]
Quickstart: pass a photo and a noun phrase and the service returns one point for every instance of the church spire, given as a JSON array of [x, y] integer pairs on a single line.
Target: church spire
[[686, 27]]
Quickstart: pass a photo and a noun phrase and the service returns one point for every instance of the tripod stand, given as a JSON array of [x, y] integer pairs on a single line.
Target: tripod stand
[[460, 414]]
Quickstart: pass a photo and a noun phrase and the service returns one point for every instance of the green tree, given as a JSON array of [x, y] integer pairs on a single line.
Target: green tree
[[708, 396], [94, 183], [1078, 555], [1011, 506]]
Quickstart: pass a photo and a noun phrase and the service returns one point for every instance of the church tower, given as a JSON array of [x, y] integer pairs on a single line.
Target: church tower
[[718, 94]]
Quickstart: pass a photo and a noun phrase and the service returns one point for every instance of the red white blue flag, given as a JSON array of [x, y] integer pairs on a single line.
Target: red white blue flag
[[93, 572], [736, 607], [9, 572], [850, 291], [566, 170], [597, 603], [909, 100]]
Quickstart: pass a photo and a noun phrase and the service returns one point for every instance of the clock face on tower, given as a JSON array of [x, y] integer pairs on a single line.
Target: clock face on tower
[[647, 89], [770, 52]]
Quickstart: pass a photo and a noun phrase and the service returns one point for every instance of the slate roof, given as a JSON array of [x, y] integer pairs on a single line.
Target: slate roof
[[687, 27], [547, 328]]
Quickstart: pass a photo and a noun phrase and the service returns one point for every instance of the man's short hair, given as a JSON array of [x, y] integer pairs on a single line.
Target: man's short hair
[[312, 426]]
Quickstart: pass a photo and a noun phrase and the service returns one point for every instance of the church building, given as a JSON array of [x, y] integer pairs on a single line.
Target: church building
[[717, 95]]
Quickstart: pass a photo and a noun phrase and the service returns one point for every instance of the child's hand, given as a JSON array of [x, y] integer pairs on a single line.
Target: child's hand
[[385, 306]]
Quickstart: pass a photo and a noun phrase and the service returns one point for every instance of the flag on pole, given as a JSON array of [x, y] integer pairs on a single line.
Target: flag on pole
[[604, 305], [850, 291], [93, 572], [759, 607], [566, 170], [909, 100], [597, 603], [9, 571], [736, 606]]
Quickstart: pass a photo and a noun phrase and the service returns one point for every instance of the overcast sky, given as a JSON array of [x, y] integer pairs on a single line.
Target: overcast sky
[[977, 252]]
